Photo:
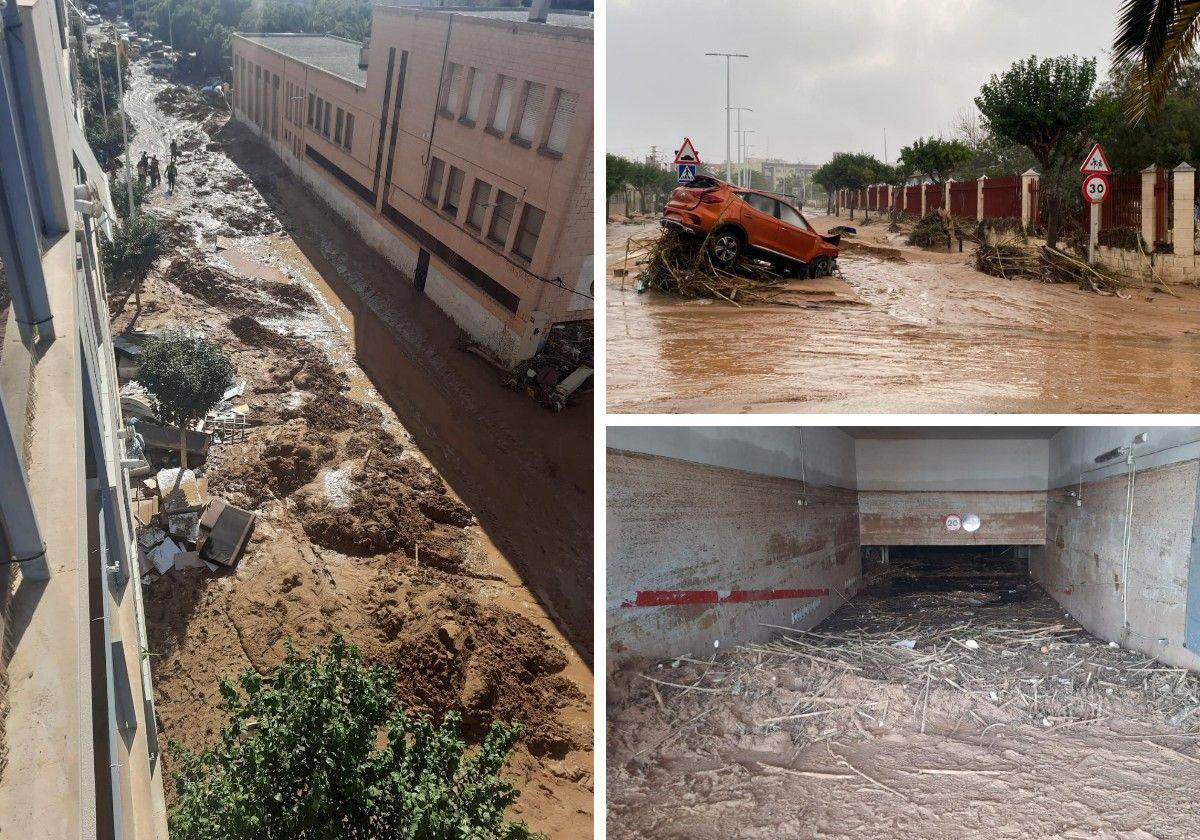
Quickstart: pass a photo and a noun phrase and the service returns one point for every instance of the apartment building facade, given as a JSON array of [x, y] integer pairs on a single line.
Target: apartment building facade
[[79, 750], [457, 143]]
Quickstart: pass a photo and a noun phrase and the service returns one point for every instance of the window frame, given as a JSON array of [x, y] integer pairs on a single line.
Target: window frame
[[499, 205], [436, 173], [522, 232], [474, 202], [447, 208]]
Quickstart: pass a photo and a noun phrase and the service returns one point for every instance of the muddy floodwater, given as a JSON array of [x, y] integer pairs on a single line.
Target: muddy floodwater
[[920, 332]]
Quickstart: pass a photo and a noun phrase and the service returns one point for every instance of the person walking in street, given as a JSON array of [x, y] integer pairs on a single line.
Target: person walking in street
[[155, 173], [143, 166], [171, 173], [174, 150]]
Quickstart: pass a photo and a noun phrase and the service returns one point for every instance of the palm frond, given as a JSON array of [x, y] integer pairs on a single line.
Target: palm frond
[[1169, 30]]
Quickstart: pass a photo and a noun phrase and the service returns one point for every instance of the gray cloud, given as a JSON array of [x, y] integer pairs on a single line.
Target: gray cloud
[[823, 76]]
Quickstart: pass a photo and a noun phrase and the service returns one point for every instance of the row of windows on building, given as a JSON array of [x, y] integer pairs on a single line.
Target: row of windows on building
[[444, 190], [257, 92], [462, 94], [319, 114]]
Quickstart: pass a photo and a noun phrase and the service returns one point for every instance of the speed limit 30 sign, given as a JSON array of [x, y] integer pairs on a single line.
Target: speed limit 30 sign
[[1095, 188]]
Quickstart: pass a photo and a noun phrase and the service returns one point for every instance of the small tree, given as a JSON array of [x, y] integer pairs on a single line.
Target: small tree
[[188, 375], [935, 158], [1047, 106], [135, 246], [616, 176], [319, 749]]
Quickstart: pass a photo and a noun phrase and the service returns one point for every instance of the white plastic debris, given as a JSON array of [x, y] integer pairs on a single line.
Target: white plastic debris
[[1113, 644], [716, 643], [907, 644], [972, 644]]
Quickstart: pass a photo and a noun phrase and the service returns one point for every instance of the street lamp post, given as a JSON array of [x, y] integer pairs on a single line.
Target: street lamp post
[[728, 154], [739, 109]]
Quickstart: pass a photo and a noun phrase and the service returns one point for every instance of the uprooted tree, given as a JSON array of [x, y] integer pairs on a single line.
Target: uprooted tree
[[188, 375], [319, 749], [1048, 106]]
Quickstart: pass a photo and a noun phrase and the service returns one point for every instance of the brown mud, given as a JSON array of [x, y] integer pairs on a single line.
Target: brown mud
[[936, 336], [365, 526]]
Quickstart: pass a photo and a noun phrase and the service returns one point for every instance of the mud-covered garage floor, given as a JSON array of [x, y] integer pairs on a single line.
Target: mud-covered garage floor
[[379, 517], [969, 708], [934, 335]]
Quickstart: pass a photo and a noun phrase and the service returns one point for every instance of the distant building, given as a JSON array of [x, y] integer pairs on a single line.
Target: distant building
[[457, 142]]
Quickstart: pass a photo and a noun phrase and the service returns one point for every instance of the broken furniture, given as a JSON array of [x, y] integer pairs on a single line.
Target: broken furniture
[[224, 532]]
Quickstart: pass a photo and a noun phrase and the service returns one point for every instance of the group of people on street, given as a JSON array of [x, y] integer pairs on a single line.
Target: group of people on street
[[148, 167]]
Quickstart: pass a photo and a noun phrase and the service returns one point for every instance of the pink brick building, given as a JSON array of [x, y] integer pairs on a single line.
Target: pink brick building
[[457, 142]]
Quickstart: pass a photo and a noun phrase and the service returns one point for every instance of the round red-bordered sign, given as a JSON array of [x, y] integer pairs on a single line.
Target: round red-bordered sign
[[1095, 188]]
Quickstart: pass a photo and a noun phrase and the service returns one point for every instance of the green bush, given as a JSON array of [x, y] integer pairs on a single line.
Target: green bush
[[120, 193], [301, 757], [136, 243]]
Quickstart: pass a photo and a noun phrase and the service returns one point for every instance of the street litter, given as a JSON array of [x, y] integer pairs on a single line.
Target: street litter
[[224, 531]]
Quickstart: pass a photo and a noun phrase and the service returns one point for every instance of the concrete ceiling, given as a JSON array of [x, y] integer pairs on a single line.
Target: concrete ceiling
[[951, 432]]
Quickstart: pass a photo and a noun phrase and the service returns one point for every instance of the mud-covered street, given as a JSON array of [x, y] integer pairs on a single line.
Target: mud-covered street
[[405, 498], [910, 330]]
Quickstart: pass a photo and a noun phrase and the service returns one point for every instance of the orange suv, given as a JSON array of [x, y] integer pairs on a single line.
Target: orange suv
[[741, 221]]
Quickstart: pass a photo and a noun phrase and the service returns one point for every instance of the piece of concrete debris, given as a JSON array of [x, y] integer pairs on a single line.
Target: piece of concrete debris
[[164, 554], [181, 492], [167, 438], [224, 532], [189, 560], [234, 390], [151, 537], [223, 243], [184, 526]]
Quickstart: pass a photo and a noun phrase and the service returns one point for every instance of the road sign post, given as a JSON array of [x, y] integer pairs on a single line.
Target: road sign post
[[1096, 170], [687, 163]]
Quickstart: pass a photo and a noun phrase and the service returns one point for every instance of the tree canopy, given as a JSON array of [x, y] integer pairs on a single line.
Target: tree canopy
[[187, 374], [318, 749], [1049, 107], [935, 158]]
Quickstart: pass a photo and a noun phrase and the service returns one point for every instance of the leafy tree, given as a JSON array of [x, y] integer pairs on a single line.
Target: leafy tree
[[1049, 107], [187, 374], [120, 195], [935, 158], [320, 750], [616, 175], [135, 246], [852, 172], [1167, 136], [1161, 36]]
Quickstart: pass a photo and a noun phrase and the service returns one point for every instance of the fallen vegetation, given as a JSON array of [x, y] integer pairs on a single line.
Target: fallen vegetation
[[1011, 260]]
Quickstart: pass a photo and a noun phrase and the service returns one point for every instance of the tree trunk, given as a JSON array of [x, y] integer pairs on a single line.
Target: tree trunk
[[182, 449]]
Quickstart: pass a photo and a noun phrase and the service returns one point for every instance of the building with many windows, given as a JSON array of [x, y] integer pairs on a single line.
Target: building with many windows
[[457, 142]]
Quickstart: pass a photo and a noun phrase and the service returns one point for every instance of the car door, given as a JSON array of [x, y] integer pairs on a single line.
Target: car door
[[796, 238], [759, 221]]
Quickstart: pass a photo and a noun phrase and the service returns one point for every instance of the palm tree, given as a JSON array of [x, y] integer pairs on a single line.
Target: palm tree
[[1161, 36]]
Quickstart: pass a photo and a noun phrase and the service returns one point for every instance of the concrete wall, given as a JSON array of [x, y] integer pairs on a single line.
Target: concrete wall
[[1083, 564], [908, 488], [706, 540]]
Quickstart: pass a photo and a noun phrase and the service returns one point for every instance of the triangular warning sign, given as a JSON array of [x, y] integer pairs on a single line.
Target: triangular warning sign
[[687, 153], [1096, 162]]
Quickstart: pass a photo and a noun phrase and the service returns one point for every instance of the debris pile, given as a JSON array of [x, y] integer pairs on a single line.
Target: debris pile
[[936, 230], [562, 368], [1010, 259], [684, 266], [935, 662], [181, 101]]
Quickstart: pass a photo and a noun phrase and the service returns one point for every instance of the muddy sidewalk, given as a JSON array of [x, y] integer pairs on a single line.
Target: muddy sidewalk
[[935, 336], [380, 513]]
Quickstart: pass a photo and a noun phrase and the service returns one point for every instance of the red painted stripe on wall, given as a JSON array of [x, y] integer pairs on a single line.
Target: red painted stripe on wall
[[685, 597]]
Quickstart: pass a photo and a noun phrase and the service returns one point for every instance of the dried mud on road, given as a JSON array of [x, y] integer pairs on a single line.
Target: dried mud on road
[[361, 530], [935, 336]]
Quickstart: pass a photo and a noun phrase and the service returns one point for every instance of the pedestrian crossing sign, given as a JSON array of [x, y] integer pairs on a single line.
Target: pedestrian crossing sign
[[685, 172]]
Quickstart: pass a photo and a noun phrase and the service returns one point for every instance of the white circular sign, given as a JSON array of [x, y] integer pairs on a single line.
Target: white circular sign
[[970, 523], [1095, 188], [953, 522]]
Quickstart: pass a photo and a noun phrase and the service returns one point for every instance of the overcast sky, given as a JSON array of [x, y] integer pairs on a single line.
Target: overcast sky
[[823, 75]]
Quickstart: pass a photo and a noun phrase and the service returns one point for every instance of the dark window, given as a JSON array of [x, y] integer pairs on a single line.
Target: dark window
[[311, 109], [502, 216], [528, 232], [433, 188], [480, 194], [328, 114], [454, 185], [348, 139], [337, 128]]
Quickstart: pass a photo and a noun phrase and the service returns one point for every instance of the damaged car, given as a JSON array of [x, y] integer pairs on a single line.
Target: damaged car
[[739, 222]]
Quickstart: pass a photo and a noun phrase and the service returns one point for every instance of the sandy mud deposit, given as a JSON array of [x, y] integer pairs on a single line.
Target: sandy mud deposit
[[934, 716], [936, 335], [357, 532]]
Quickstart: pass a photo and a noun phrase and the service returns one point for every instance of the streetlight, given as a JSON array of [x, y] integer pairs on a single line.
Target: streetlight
[[739, 109], [728, 156]]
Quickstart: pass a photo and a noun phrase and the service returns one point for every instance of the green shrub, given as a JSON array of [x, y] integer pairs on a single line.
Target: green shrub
[[136, 243], [120, 193], [301, 757]]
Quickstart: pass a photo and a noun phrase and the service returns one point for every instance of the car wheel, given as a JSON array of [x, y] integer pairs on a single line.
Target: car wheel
[[819, 267], [726, 247]]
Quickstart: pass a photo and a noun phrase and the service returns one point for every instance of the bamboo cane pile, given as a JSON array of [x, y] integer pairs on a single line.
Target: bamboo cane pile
[[684, 266], [1010, 260]]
